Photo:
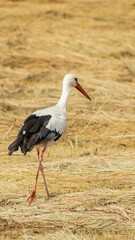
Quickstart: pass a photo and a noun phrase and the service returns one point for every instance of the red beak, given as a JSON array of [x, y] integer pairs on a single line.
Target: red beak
[[79, 87]]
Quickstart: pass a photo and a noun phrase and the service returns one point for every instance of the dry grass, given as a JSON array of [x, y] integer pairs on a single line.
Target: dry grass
[[91, 171]]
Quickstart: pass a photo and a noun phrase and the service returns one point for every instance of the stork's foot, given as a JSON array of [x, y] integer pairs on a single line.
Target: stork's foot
[[32, 197]]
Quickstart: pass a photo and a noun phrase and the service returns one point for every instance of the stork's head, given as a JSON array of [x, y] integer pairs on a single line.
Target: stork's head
[[71, 80]]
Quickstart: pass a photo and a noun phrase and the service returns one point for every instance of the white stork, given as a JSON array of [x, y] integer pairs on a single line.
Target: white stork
[[44, 127]]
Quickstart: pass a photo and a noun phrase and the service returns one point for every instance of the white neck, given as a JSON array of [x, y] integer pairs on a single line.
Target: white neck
[[64, 95]]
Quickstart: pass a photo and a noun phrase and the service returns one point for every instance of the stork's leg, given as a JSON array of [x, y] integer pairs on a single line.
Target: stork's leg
[[33, 196], [40, 158]]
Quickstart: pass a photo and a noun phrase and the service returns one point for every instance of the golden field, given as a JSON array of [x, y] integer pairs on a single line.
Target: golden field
[[91, 171]]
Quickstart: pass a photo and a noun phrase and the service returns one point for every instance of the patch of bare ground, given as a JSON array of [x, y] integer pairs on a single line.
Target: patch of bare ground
[[90, 172]]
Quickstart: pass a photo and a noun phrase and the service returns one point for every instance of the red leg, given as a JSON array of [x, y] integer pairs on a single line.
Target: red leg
[[40, 158], [40, 154], [33, 196]]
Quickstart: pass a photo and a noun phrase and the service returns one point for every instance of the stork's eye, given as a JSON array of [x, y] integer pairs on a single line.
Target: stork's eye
[[76, 79]]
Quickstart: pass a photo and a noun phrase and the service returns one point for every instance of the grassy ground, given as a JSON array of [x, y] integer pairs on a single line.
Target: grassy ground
[[90, 172]]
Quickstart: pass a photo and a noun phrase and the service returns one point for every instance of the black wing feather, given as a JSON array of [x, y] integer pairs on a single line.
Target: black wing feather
[[46, 135], [29, 133]]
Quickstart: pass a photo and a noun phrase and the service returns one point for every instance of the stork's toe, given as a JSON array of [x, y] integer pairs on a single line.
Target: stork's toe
[[32, 197]]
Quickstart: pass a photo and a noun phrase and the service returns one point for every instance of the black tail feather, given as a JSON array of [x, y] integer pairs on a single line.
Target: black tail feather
[[14, 145], [23, 142], [23, 145]]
